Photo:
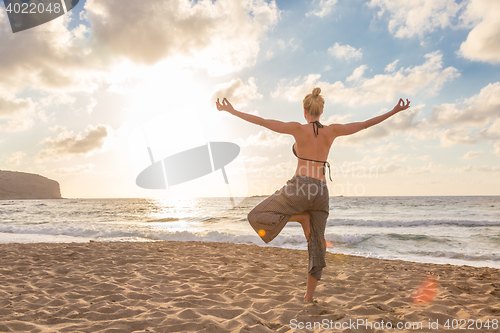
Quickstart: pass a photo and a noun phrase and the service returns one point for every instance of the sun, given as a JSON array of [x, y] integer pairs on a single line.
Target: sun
[[170, 112]]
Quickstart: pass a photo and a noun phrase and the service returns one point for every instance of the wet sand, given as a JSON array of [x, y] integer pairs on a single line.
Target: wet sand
[[220, 287]]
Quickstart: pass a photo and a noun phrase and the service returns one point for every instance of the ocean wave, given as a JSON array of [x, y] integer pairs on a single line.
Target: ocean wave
[[58, 229], [459, 255], [347, 239], [464, 232], [165, 219], [417, 238], [212, 236], [413, 223]]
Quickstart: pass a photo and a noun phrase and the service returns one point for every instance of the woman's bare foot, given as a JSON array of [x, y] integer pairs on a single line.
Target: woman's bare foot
[[312, 282], [305, 221]]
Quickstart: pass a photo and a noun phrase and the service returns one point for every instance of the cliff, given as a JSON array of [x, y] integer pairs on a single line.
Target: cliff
[[21, 185]]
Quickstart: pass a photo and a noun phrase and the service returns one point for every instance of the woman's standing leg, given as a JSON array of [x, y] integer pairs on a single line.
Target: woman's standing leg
[[317, 247], [312, 282], [317, 251]]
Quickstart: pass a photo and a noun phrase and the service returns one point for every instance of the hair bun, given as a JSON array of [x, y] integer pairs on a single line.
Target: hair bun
[[316, 91]]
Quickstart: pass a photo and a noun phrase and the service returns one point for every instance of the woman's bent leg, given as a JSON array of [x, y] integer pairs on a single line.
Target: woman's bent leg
[[270, 216], [305, 221]]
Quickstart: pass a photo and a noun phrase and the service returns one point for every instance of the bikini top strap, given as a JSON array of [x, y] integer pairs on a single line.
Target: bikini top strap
[[324, 163], [329, 170], [305, 159], [316, 128], [293, 149]]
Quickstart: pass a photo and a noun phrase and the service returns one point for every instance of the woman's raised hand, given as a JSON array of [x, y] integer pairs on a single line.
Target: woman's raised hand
[[225, 106], [401, 105]]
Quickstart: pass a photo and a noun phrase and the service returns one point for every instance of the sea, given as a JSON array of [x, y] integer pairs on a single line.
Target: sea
[[457, 230]]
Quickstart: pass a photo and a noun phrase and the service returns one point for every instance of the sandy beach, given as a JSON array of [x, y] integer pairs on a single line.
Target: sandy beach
[[221, 287]]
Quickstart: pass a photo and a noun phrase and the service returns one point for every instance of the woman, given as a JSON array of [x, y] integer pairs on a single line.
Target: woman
[[304, 198]]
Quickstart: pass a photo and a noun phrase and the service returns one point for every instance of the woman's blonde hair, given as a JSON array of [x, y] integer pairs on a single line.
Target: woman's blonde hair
[[314, 102]]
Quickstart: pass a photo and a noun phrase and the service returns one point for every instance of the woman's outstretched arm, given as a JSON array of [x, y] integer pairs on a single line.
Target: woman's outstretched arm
[[273, 125], [351, 128]]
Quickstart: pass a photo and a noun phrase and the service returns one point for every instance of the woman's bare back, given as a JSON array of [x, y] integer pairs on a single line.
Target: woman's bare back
[[308, 146]]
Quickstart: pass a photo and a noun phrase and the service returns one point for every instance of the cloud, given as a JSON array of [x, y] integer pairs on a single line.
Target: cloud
[[457, 136], [51, 58], [221, 36], [496, 149], [268, 173], [400, 157], [237, 92], [17, 124], [390, 168], [391, 146], [402, 122], [90, 107], [357, 73], [418, 17], [483, 41], [10, 107], [428, 77], [56, 99], [345, 52], [68, 143], [48, 58], [474, 168], [82, 168], [471, 154], [265, 138], [421, 170], [16, 114], [15, 158], [491, 132], [392, 66], [479, 109], [326, 7], [254, 160], [335, 119], [476, 118], [291, 44], [382, 166]]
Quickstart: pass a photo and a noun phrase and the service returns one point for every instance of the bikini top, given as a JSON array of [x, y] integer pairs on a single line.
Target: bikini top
[[316, 126]]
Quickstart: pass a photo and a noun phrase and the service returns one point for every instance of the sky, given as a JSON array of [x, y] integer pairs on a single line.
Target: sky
[[82, 97]]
